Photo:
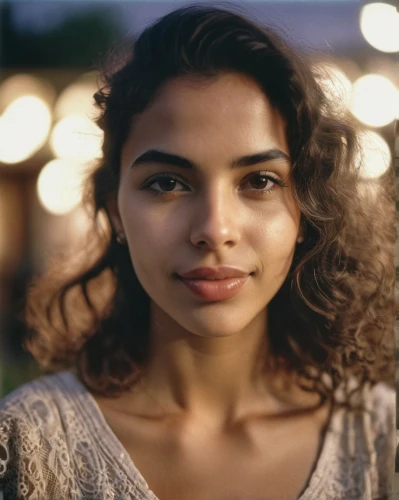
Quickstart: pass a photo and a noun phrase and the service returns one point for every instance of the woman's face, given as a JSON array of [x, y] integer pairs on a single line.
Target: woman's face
[[218, 195]]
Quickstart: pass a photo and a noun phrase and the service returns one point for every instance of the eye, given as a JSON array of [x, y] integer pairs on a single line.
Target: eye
[[264, 182], [162, 183]]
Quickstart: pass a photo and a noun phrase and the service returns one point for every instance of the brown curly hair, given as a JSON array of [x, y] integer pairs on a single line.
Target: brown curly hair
[[331, 321]]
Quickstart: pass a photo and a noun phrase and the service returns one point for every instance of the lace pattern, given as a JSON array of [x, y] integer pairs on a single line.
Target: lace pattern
[[55, 443]]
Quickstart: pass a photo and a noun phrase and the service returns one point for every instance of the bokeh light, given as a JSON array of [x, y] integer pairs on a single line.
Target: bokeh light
[[22, 84], [375, 100], [77, 99], [76, 137], [24, 127], [379, 23], [81, 223], [59, 186], [375, 155], [334, 82]]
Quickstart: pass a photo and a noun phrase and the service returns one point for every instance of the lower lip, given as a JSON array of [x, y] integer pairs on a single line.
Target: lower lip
[[216, 290]]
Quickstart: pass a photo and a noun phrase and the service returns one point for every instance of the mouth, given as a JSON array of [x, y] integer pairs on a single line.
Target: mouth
[[215, 273], [216, 289]]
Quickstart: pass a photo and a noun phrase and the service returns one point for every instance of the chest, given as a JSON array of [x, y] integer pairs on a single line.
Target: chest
[[261, 461], [214, 475]]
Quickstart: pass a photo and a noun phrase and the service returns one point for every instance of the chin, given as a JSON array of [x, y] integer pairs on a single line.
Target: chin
[[217, 325], [211, 320]]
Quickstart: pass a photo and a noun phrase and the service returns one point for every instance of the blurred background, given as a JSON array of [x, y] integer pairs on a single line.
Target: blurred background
[[49, 52]]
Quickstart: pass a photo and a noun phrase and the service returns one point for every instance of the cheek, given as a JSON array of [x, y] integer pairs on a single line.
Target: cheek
[[282, 232], [150, 233], [276, 241]]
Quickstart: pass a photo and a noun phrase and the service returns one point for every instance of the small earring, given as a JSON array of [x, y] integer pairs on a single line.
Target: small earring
[[121, 238], [300, 239]]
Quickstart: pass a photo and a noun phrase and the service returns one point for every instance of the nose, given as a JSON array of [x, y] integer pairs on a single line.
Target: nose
[[215, 220]]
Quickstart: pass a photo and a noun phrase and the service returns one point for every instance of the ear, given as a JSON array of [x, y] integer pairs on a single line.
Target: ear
[[113, 214]]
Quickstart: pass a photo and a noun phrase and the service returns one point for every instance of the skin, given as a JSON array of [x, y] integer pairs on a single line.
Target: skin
[[204, 372]]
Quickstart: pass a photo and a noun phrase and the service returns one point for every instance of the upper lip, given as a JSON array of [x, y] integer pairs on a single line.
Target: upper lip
[[214, 273]]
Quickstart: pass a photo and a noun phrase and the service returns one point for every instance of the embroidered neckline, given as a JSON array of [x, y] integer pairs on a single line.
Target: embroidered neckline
[[88, 406]]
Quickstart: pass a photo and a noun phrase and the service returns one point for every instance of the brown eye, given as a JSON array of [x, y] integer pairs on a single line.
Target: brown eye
[[260, 181], [263, 183], [162, 184], [167, 183]]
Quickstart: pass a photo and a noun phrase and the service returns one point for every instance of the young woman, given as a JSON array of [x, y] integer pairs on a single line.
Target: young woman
[[229, 333]]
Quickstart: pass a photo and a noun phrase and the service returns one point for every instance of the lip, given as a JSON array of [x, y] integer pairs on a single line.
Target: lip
[[215, 283], [214, 273]]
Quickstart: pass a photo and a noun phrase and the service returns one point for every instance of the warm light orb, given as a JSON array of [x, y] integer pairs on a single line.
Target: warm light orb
[[81, 223], [59, 186], [23, 84], [77, 99], [379, 23], [374, 100], [24, 127], [375, 155], [76, 137], [334, 82]]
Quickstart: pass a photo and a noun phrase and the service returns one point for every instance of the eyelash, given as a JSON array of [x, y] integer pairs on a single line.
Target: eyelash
[[146, 186]]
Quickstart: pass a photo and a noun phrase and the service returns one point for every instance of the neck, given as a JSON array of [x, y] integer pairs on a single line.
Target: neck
[[218, 377]]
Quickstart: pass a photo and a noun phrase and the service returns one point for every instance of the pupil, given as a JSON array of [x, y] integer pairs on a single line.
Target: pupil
[[167, 184], [259, 182]]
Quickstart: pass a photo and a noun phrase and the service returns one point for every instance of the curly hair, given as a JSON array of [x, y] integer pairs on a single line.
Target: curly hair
[[332, 319]]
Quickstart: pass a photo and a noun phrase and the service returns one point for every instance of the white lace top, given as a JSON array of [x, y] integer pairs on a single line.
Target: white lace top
[[55, 444]]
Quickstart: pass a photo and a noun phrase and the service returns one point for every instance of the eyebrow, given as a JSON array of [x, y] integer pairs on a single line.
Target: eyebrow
[[155, 156]]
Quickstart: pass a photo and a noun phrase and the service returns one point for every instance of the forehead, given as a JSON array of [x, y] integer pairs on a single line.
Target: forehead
[[189, 113], [205, 94]]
